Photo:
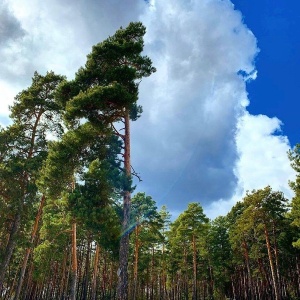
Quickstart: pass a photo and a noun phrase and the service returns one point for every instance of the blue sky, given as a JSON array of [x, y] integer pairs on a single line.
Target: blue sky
[[275, 92], [220, 113]]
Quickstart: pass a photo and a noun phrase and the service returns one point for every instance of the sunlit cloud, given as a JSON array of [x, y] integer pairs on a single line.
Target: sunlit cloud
[[192, 141]]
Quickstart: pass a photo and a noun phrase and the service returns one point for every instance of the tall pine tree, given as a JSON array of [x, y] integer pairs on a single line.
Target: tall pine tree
[[104, 93]]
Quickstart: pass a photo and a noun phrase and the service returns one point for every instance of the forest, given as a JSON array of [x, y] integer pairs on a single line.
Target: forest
[[72, 226]]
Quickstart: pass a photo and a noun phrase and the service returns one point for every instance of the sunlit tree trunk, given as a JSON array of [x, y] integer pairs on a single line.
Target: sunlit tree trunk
[[275, 286]]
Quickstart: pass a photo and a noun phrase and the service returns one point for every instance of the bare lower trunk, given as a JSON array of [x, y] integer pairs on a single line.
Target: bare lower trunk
[[136, 260], [246, 255], [122, 289], [74, 264], [10, 247], [123, 254], [277, 260], [84, 289], [63, 277], [194, 296], [28, 251], [95, 274], [277, 297]]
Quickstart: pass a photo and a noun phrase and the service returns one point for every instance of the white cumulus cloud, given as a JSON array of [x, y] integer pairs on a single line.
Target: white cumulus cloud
[[262, 160], [192, 141]]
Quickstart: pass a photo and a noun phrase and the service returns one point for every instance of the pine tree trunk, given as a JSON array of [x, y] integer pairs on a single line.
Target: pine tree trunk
[[28, 250], [136, 259], [246, 254], [74, 264], [298, 274], [194, 297], [152, 275], [277, 260], [104, 275], [95, 274], [28, 283], [163, 275], [271, 263], [122, 289], [63, 277], [111, 280], [233, 287], [10, 247], [84, 291]]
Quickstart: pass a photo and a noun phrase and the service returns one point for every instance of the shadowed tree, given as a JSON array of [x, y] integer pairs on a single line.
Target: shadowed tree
[[23, 148], [220, 254], [91, 158], [166, 221]]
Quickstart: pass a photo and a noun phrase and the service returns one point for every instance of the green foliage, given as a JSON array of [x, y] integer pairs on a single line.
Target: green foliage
[[143, 209], [219, 246], [38, 102], [85, 164], [76, 148], [294, 156], [24, 144], [192, 221], [261, 208], [145, 216], [91, 204], [108, 83], [191, 225]]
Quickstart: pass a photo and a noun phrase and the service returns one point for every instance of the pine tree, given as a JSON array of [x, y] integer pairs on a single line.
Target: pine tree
[[186, 239], [294, 156], [23, 150], [105, 92], [220, 255], [146, 225], [258, 228]]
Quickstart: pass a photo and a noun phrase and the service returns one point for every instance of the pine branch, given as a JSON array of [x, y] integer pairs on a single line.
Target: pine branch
[[134, 173]]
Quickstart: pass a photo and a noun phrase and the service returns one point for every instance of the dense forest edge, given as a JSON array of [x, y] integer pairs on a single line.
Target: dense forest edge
[[71, 229]]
